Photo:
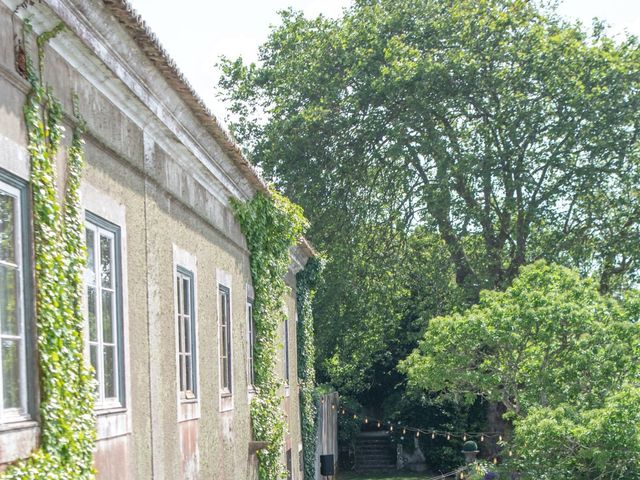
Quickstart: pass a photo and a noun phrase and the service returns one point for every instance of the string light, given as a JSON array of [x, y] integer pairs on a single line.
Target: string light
[[461, 474], [495, 460], [511, 453], [379, 424]]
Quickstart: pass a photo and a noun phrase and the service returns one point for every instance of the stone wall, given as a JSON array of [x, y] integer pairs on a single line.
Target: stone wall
[[154, 170]]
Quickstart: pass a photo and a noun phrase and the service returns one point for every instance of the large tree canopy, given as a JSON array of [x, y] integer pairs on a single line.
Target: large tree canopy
[[503, 132], [509, 131], [562, 358]]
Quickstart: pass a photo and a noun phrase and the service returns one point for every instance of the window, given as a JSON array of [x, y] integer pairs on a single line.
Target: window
[[286, 350], [13, 336], [104, 309], [289, 465], [186, 334], [251, 344], [224, 297]]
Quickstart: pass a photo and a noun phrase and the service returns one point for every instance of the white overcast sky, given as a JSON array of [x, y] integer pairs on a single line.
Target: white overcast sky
[[197, 32]]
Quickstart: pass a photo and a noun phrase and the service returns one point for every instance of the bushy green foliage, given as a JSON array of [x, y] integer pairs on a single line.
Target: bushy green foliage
[[67, 385], [306, 284], [568, 442], [495, 125], [563, 359], [271, 225]]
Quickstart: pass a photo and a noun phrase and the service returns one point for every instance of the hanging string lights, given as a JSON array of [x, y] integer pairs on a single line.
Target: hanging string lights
[[432, 432]]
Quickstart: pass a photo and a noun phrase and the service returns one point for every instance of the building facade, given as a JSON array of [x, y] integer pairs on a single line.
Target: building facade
[[168, 290]]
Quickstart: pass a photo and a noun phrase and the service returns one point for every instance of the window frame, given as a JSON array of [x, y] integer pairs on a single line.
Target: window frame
[[19, 189], [186, 396], [100, 226], [225, 362]]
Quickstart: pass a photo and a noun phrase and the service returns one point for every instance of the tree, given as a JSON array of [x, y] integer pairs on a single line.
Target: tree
[[562, 358], [495, 123], [550, 338]]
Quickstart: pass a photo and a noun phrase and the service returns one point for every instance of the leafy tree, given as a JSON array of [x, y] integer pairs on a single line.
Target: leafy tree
[[550, 338], [501, 131], [565, 442], [506, 130], [561, 357]]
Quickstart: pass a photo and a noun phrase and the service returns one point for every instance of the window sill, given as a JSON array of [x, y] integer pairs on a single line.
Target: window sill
[[112, 422], [188, 409], [18, 440], [226, 402]]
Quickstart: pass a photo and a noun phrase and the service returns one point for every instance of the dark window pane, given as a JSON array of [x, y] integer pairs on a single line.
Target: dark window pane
[[91, 309], [188, 372], [9, 289], [11, 373], [109, 372], [187, 334], [186, 294], [108, 317], [106, 262], [7, 228], [90, 270], [93, 354], [181, 368]]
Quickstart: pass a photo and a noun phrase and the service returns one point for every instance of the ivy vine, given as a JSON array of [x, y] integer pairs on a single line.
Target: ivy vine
[[307, 283], [272, 225], [67, 385]]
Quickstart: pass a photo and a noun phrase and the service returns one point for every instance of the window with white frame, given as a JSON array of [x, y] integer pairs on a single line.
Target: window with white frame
[[13, 338], [224, 305], [185, 316], [251, 344], [103, 293]]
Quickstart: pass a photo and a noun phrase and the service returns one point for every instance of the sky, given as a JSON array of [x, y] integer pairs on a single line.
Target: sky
[[197, 32]]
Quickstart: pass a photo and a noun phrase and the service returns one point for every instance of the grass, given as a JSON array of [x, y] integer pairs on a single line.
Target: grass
[[383, 476]]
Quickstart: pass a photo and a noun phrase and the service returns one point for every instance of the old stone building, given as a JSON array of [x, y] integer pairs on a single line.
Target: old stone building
[[167, 287]]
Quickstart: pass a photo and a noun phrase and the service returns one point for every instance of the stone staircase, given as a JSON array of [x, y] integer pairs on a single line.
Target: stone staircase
[[374, 452]]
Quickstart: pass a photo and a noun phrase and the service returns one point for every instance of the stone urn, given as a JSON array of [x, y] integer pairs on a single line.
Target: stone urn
[[470, 450]]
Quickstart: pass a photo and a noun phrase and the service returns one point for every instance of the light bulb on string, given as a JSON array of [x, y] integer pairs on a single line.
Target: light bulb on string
[[511, 453], [343, 411], [418, 433], [404, 430], [366, 420], [461, 474], [464, 437], [391, 428], [433, 435], [482, 438], [355, 416], [495, 460], [378, 424], [448, 436], [333, 406], [500, 438]]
